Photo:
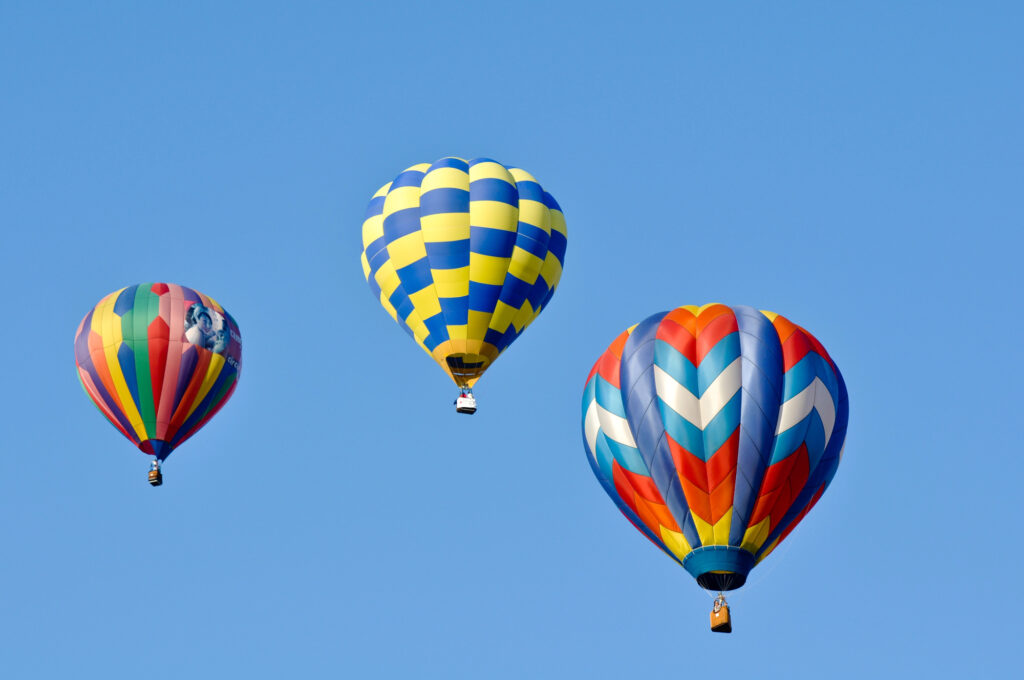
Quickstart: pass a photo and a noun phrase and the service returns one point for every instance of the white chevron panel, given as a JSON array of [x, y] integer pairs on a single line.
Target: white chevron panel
[[615, 427], [591, 426], [721, 390], [797, 408], [699, 412]]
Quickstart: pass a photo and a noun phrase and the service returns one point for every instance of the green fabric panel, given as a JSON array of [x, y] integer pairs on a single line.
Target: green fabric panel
[[145, 309]]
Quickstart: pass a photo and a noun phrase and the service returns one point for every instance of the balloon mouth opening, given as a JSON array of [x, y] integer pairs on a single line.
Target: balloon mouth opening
[[466, 368], [719, 567], [156, 447], [721, 580]]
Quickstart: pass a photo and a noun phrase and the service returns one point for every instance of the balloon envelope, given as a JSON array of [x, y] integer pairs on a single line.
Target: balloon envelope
[[715, 429], [158, 360], [463, 255]]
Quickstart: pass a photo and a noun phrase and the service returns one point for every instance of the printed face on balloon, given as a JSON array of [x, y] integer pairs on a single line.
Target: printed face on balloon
[[208, 329]]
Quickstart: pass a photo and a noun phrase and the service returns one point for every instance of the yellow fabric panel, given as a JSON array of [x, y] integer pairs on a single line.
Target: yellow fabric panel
[[383, 190], [445, 178], [704, 530], [401, 198], [387, 279], [373, 229], [520, 175], [113, 339], [502, 317], [366, 266], [492, 170], [212, 371], [771, 315], [444, 227], [552, 270], [477, 327], [451, 283], [721, 529], [535, 213], [487, 269], [458, 333], [755, 536], [524, 316], [558, 223], [494, 215], [525, 266], [425, 302], [675, 542], [406, 250]]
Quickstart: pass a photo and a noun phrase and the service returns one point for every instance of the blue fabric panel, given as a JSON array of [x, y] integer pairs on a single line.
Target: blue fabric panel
[[402, 304], [589, 395], [532, 232], [378, 258], [514, 292], [718, 558], [644, 417], [455, 310], [608, 396], [444, 200], [547, 297], [126, 300], [401, 223], [557, 245], [495, 242], [376, 207], [530, 191], [126, 358], [551, 203], [476, 161], [416, 276], [376, 254], [492, 189], [433, 340], [408, 178], [604, 455], [448, 254], [814, 438], [493, 337], [450, 162], [539, 293], [717, 360], [532, 245], [789, 441], [437, 327], [685, 433], [483, 297], [803, 373], [673, 362]]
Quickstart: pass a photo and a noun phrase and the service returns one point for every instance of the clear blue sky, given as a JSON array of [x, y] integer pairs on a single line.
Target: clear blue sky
[[855, 168]]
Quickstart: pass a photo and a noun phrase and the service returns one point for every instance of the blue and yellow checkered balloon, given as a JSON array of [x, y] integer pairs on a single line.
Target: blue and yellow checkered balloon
[[463, 255]]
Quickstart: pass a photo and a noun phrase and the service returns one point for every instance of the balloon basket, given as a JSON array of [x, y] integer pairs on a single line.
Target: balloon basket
[[721, 622], [156, 478]]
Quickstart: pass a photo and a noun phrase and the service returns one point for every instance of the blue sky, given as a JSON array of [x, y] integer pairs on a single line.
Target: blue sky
[[855, 168]]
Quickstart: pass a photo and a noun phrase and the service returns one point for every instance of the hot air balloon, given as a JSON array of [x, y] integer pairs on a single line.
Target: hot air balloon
[[463, 255], [158, 360], [715, 430]]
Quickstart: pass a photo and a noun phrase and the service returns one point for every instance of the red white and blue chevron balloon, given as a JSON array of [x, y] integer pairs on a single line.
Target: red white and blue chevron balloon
[[715, 429]]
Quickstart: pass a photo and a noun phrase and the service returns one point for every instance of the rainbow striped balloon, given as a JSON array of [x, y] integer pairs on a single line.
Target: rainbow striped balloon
[[715, 429], [158, 360], [463, 255]]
